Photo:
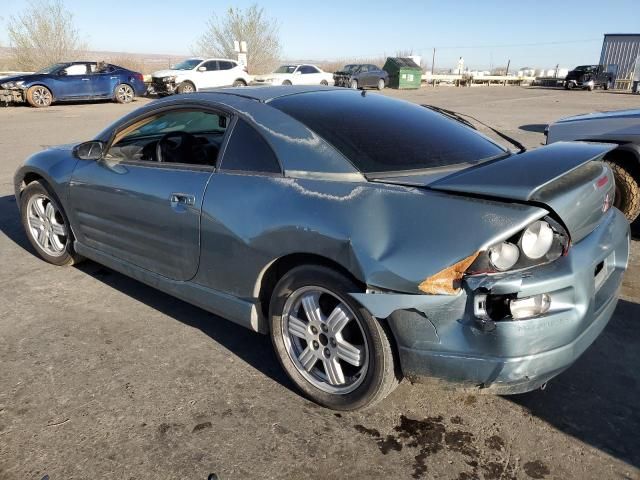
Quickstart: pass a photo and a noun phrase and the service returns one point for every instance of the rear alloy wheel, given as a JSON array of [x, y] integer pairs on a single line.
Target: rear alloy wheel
[[46, 225], [39, 96], [186, 87], [124, 93], [239, 83], [286, 82], [354, 84], [330, 346], [381, 84], [627, 193], [324, 82]]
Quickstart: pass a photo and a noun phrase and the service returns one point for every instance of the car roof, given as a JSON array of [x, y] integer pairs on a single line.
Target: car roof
[[266, 94]]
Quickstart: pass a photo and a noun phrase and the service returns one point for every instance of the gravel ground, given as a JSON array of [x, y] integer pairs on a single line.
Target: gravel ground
[[103, 377]]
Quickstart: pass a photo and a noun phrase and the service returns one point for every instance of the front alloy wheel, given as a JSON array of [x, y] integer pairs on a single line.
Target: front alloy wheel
[[39, 96], [46, 225], [324, 340], [331, 347]]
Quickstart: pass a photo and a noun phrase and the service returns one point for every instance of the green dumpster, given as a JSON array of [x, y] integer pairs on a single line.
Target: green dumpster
[[403, 72]]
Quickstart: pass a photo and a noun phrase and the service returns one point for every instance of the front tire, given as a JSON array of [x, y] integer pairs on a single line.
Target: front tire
[[331, 347], [46, 225], [286, 83], [186, 87], [124, 93], [381, 84], [239, 83], [39, 96], [627, 196], [354, 84], [324, 83]]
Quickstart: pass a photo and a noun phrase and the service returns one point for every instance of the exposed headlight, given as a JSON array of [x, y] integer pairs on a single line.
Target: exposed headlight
[[530, 306], [169, 79], [12, 84], [504, 256], [537, 239]]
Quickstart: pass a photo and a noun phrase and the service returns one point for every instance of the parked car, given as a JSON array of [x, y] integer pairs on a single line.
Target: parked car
[[364, 246], [295, 75], [361, 76], [621, 128], [197, 74], [589, 77], [73, 81]]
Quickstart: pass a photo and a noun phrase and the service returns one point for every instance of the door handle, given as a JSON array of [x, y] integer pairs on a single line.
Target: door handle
[[85, 79], [182, 199], [114, 78]]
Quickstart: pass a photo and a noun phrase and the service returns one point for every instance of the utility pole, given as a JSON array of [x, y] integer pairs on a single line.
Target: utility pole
[[433, 64], [508, 64]]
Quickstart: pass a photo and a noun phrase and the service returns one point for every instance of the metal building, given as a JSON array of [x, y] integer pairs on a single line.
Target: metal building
[[621, 55]]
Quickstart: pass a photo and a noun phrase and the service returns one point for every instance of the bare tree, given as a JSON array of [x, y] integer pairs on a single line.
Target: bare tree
[[250, 25], [44, 34]]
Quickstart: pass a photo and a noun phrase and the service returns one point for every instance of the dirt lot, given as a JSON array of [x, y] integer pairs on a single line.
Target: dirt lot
[[103, 377]]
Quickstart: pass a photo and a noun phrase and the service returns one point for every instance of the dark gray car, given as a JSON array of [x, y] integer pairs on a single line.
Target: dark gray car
[[361, 75], [370, 237], [621, 128]]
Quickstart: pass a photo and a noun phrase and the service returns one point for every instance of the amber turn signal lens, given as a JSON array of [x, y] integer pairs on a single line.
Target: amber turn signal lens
[[447, 281]]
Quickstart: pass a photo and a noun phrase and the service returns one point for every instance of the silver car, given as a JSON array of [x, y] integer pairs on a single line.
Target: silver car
[[371, 238], [621, 128]]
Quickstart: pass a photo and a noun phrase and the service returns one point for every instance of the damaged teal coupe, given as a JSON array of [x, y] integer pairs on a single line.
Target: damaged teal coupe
[[369, 237]]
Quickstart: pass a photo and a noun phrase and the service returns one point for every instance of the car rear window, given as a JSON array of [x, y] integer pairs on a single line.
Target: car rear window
[[379, 134]]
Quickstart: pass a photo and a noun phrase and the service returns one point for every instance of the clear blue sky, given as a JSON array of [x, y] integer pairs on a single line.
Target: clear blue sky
[[328, 29]]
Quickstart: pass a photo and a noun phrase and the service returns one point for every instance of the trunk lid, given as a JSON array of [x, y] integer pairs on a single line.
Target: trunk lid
[[565, 177]]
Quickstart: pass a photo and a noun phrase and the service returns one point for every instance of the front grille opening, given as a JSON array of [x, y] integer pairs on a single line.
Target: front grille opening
[[598, 269]]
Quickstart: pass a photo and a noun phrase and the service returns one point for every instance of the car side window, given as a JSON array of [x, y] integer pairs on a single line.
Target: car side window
[[248, 151], [210, 66], [364, 68], [308, 69], [225, 65], [183, 136], [77, 69]]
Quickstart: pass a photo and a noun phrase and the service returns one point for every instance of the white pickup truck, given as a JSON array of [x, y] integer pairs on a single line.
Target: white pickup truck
[[197, 74]]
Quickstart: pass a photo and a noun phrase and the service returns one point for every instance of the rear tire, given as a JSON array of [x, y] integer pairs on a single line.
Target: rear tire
[[186, 87], [607, 85], [354, 84], [124, 93], [627, 198], [318, 343], [286, 83], [381, 84], [239, 83], [46, 225], [324, 83], [39, 96]]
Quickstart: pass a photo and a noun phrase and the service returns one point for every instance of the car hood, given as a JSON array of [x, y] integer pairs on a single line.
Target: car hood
[[273, 75], [169, 73], [632, 113], [563, 177], [18, 78]]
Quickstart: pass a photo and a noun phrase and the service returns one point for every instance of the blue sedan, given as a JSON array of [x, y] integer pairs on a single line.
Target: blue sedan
[[73, 81]]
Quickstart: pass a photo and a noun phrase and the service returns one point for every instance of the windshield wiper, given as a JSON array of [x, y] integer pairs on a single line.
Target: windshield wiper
[[460, 118]]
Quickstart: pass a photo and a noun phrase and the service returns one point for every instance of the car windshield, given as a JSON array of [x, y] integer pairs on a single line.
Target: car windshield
[[586, 68], [381, 135], [285, 69], [187, 64], [52, 68]]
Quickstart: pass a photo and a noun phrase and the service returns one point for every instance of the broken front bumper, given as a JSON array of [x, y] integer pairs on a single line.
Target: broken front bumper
[[13, 95], [439, 335]]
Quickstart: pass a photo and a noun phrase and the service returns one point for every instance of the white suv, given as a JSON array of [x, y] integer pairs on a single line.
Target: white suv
[[196, 74]]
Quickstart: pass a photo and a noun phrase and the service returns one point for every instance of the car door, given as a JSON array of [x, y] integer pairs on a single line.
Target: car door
[[226, 72], [73, 82], [104, 79], [364, 76], [144, 209], [210, 77], [309, 75]]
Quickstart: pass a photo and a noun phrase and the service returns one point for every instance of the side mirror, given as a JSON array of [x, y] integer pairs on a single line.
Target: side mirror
[[91, 150], [63, 73], [202, 69], [297, 72]]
